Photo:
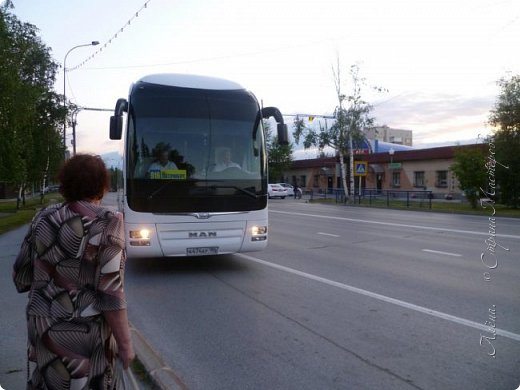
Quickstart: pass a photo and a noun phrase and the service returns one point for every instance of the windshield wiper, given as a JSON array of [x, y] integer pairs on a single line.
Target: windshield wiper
[[243, 190], [159, 189]]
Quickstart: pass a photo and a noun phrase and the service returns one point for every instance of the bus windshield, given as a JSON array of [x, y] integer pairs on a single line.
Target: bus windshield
[[192, 150]]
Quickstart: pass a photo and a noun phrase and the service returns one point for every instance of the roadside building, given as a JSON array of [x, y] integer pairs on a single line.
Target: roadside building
[[389, 169]]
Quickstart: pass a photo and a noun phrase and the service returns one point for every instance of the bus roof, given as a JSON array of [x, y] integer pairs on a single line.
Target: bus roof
[[190, 81]]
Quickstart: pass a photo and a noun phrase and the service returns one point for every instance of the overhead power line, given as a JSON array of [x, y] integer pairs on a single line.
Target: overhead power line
[[108, 42]]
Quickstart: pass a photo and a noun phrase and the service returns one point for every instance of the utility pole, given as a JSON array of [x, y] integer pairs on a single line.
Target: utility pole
[[93, 43]]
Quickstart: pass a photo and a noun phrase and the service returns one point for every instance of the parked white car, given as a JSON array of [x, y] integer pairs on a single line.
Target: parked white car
[[276, 191], [289, 188]]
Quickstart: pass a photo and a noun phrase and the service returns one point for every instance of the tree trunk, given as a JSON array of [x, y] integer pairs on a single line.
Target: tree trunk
[[45, 176], [351, 165], [343, 174], [23, 193], [19, 196]]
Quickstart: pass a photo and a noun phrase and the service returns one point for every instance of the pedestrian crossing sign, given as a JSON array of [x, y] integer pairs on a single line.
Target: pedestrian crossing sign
[[360, 168]]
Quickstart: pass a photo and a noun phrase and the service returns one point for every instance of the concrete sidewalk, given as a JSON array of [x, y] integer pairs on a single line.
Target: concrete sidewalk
[[13, 340]]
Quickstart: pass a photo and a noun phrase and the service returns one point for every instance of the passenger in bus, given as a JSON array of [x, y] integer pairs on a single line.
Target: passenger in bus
[[224, 161]]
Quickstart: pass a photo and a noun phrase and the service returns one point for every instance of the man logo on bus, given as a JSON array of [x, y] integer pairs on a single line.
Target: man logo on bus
[[202, 234], [201, 215]]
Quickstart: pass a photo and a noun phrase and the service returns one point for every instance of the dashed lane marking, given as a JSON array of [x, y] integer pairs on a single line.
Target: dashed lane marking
[[440, 229], [328, 234], [383, 298], [442, 253]]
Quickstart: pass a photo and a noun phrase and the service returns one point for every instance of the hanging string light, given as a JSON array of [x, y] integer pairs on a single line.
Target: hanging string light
[[107, 43]]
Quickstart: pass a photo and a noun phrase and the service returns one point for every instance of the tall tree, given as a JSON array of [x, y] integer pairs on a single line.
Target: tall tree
[[279, 157], [29, 110], [505, 142], [351, 116]]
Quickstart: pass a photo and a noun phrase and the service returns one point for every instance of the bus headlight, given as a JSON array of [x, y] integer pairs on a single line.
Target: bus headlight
[[139, 237], [259, 233], [140, 234]]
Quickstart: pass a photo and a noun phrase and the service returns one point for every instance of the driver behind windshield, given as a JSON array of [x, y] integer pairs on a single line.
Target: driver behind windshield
[[162, 162], [163, 167], [224, 161]]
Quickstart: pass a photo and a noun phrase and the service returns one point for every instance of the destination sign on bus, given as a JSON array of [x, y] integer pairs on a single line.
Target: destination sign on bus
[[172, 174]]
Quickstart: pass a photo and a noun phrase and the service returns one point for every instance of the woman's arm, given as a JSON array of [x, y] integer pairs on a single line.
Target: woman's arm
[[112, 300], [118, 322], [23, 265]]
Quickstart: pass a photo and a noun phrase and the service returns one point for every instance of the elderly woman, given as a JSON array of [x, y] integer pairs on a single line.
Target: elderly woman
[[72, 263]]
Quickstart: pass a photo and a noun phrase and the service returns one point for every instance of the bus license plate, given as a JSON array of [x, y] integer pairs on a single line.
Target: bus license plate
[[202, 251]]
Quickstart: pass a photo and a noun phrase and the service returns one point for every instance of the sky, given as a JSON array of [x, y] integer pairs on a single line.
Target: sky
[[438, 60]]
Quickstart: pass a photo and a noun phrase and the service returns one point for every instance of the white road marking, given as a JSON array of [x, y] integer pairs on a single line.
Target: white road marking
[[441, 253], [328, 234], [394, 224], [383, 298]]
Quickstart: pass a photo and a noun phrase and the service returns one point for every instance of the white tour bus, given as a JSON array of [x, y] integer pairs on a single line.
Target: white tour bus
[[195, 166]]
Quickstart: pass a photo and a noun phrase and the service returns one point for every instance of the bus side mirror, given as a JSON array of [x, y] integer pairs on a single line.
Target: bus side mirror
[[116, 121], [283, 137], [283, 134], [116, 126]]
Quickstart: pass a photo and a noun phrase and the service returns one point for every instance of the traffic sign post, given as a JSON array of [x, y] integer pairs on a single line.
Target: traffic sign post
[[361, 168]]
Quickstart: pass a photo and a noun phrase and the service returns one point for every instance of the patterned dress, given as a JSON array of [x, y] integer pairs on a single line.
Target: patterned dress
[[72, 263]]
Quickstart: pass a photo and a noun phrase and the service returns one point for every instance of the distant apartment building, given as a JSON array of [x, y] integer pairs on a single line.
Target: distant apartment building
[[387, 134]]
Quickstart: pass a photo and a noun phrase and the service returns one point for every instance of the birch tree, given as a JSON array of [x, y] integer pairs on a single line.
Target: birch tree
[[351, 116]]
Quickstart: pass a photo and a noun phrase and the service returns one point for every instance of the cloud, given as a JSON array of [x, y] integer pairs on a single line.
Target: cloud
[[421, 108], [433, 117]]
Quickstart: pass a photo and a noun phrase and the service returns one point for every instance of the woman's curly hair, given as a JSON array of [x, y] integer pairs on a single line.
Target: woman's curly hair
[[84, 177]]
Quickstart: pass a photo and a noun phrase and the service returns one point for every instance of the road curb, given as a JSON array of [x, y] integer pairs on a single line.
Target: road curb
[[163, 376]]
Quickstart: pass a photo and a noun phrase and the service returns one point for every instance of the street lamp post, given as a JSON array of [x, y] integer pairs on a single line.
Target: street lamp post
[[93, 43]]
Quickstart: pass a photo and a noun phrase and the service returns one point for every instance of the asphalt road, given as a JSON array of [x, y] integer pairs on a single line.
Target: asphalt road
[[343, 298]]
